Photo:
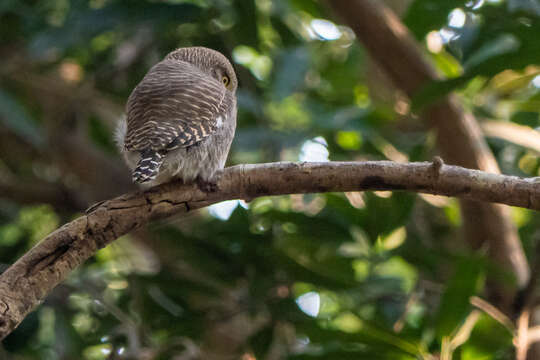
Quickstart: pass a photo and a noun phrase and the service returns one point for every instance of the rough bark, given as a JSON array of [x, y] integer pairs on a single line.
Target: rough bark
[[28, 281], [460, 139]]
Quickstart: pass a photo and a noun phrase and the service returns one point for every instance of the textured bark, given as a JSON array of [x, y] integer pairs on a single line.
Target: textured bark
[[28, 281], [460, 139]]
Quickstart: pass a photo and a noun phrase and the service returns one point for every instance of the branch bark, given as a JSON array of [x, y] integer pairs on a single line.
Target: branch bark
[[460, 139], [28, 281]]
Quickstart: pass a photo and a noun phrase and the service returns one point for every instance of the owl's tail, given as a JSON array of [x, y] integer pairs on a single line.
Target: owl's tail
[[148, 167]]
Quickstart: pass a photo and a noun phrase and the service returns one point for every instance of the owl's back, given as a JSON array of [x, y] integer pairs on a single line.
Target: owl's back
[[181, 118], [175, 105]]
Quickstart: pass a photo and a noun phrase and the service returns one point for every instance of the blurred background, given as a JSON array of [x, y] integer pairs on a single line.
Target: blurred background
[[374, 275]]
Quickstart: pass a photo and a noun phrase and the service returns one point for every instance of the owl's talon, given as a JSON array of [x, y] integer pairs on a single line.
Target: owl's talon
[[94, 206], [207, 186]]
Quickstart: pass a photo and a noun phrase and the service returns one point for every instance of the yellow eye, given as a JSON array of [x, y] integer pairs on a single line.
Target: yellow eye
[[225, 80]]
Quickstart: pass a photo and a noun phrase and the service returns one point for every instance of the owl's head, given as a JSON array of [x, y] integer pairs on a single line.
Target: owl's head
[[209, 61]]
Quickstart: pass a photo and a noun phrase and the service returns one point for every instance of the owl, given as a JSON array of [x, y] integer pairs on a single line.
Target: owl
[[180, 119]]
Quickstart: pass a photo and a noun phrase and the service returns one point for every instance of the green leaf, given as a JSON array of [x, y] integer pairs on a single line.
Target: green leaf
[[424, 16], [396, 209], [502, 40], [311, 7], [455, 305], [503, 44], [246, 30], [368, 340], [436, 90], [83, 22]]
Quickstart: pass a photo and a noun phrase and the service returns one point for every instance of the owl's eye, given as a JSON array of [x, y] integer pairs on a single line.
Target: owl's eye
[[225, 80]]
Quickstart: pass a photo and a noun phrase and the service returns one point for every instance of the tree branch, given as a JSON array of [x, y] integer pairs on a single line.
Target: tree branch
[[28, 281]]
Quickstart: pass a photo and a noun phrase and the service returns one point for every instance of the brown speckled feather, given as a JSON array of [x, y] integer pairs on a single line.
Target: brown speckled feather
[[175, 105], [187, 99]]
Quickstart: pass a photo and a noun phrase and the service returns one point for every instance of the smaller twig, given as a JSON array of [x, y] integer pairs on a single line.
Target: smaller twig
[[521, 340], [446, 353], [436, 165], [465, 330], [492, 311], [398, 325], [534, 334], [514, 133], [463, 334]]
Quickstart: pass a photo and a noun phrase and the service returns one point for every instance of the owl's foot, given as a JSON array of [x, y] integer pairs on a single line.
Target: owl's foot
[[207, 186], [94, 207]]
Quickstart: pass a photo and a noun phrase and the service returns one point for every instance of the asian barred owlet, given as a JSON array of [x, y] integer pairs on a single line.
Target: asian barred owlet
[[181, 118]]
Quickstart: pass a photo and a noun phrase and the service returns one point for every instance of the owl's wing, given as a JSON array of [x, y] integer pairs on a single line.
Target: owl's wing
[[175, 105]]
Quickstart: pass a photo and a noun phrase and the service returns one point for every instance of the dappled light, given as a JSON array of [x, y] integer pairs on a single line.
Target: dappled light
[[309, 303], [315, 150], [325, 29]]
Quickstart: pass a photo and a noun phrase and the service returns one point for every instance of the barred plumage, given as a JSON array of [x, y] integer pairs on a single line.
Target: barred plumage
[[148, 167], [181, 118]]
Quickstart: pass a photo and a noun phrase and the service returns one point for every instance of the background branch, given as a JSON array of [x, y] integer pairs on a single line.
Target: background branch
[[27, 282], [460, 138]]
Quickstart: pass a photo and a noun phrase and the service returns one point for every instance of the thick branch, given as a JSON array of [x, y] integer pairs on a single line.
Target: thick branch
[[27, 282]]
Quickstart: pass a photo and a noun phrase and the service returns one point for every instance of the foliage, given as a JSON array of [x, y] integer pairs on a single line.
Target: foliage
[[335, 276]]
